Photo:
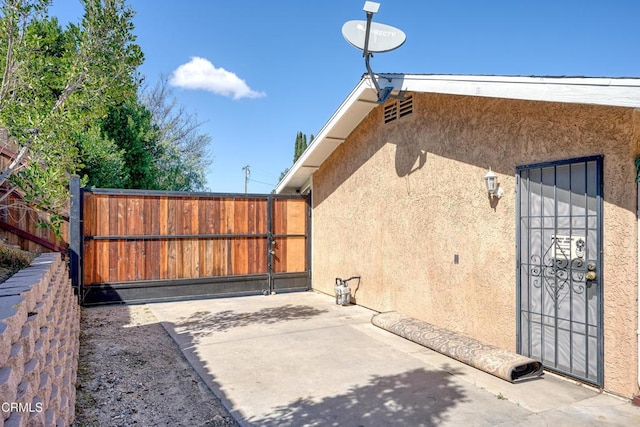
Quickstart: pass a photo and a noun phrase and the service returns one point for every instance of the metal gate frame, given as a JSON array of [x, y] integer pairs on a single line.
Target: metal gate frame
[[599, 159], [142, 291]]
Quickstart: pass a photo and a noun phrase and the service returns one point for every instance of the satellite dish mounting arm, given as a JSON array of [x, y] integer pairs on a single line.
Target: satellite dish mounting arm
[[383, 94], [387, 38]]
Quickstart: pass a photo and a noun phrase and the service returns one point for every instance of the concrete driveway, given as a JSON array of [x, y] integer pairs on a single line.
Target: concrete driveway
[[298, 359]]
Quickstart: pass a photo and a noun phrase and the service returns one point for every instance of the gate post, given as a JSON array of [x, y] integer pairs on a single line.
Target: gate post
[[270, 243], [75, 234]]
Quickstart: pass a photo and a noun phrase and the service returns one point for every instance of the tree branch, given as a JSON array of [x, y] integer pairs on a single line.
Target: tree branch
[[7, 194], [16, 162]]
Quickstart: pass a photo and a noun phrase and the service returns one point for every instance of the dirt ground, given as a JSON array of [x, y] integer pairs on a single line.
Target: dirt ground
[[132, 373]]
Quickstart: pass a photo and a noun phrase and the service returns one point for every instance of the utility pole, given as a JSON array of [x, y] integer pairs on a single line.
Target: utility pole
[[246, 177]]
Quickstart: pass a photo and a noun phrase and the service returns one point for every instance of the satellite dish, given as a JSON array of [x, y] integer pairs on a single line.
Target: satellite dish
[[382, 38], [371, 37]]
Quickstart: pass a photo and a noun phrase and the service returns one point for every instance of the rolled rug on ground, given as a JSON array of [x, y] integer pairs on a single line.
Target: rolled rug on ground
[[503, 364]]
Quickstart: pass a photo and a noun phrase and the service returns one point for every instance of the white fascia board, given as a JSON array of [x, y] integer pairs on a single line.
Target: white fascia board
[[622, 92], [326, 142]]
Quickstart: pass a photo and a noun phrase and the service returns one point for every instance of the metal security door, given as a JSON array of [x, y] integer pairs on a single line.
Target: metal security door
[[559, 279]]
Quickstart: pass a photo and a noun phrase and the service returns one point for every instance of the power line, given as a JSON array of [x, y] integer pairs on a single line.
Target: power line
[[261, 182], [257, 171]]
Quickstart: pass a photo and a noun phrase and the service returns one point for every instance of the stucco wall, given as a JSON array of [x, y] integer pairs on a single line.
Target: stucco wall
[[396, 202]]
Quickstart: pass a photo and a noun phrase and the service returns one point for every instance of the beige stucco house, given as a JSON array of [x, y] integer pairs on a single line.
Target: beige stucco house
[[549, 269]]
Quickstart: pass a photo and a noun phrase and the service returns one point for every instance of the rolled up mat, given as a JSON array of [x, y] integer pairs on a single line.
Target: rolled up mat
[[501, 363]]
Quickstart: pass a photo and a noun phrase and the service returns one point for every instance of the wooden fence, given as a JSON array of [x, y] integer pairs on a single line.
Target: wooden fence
[[20, 224], [231, 243], [23, 226]]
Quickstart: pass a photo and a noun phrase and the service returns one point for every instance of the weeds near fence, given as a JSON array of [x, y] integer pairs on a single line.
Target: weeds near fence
[[13, 259]]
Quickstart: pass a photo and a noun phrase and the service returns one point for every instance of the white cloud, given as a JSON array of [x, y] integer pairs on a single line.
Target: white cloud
[[200, 73]]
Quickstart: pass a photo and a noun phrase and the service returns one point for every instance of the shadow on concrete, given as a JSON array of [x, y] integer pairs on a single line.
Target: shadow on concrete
[[203, 323], [418, 398]]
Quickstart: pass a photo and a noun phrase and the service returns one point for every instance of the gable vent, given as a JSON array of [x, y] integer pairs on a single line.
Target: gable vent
[[398, 109], [405, 107], [390, 112]]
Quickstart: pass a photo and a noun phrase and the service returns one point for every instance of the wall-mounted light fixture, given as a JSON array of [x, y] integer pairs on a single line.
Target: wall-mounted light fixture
[[491, 181]]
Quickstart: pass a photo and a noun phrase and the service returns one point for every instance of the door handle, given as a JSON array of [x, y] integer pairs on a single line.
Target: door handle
[[591, 273], [272, 250]]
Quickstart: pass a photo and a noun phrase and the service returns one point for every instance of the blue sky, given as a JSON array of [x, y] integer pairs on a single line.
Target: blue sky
[[258, 72]]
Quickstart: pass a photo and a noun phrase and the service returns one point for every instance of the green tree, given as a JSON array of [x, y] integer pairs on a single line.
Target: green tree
[[147, 143], [103, 160], [300, 146], [56, 83], [184, 150], [129, 126]]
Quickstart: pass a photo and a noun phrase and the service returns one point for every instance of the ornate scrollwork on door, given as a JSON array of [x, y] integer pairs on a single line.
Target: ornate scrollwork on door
[[558, 273]]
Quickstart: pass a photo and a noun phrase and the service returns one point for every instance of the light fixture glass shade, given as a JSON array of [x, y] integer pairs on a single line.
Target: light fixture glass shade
[[491, 181]]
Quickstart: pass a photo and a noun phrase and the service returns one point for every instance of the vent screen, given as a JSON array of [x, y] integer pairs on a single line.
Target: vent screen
[[405, 107], [398, 109], [390, 112]]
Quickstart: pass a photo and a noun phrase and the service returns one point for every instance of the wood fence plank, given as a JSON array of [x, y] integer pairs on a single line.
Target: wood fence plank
[[113, 245], [207, 260], [172, 245], [89, 261], [179, 244], [227, 212], [153, 251], [133, 218], [90, 214], [219, 245], [102, 247], [164, 256], [251, 242], [240, 255], [138, 229], [284, 227], [296, 254], [279, 227], [151, 246], [296, 224], [195, 244], [201, 243], [121, 229], [296, 216], [147, 228], [187, 222], [261, 223]]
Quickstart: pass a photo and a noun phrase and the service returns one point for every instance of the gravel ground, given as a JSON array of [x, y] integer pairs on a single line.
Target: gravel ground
[[132, 373]]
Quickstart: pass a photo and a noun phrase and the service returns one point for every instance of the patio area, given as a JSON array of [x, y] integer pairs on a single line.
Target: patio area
[[298, 359]]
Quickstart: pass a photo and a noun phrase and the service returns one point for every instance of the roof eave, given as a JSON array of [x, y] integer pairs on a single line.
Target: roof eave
[[619, 92], [350, 113]]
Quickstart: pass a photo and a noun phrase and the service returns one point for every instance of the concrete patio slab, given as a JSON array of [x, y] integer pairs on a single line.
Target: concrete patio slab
[[298, 359]]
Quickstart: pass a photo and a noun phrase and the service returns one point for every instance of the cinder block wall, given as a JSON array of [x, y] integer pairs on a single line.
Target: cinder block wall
[[39, 340]]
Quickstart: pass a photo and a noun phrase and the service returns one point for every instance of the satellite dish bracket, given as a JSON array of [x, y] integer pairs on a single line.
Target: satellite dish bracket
[[386, 38], [383, 94]]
